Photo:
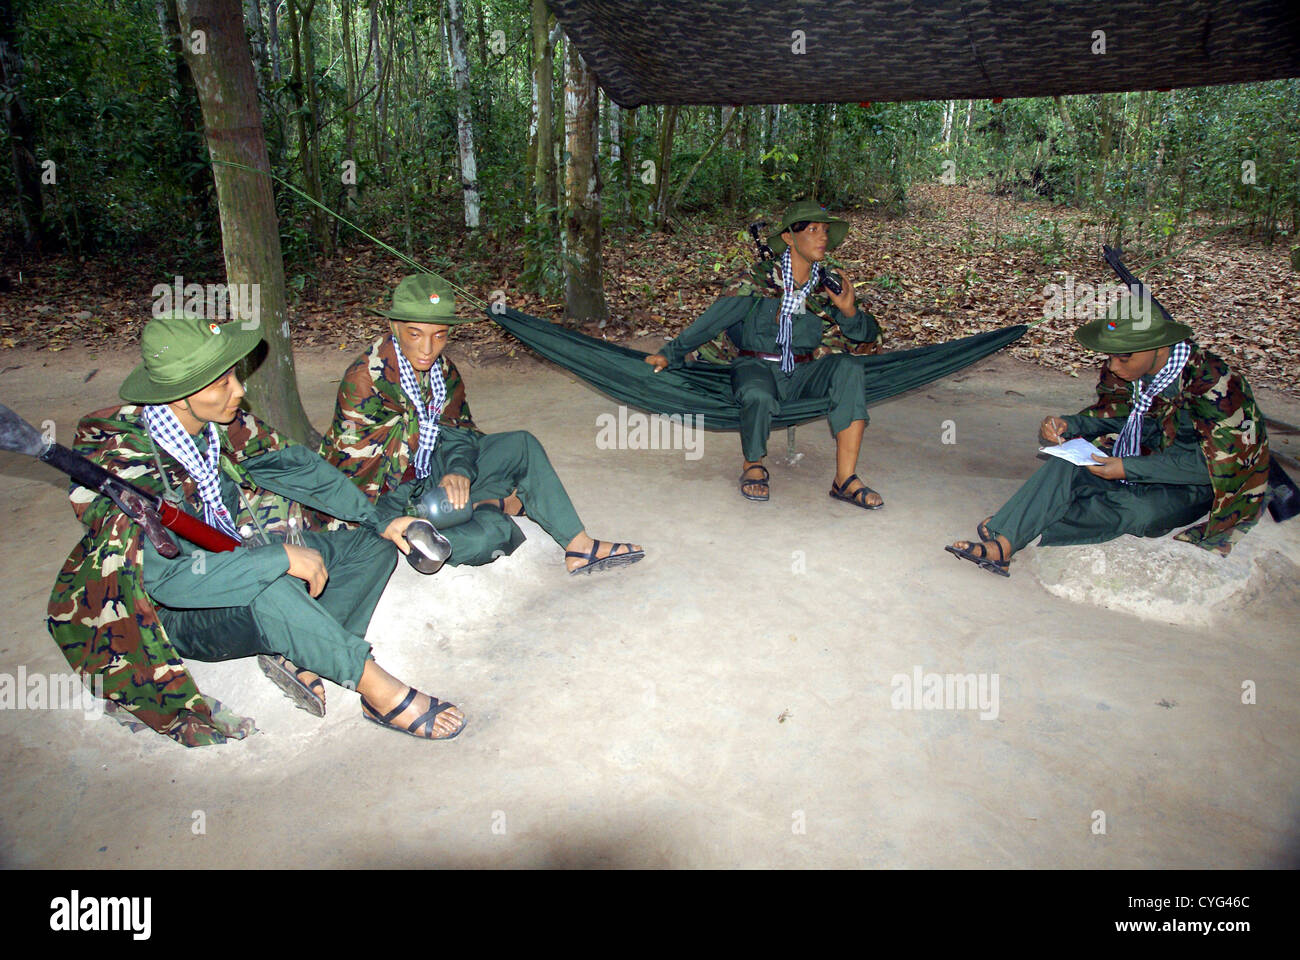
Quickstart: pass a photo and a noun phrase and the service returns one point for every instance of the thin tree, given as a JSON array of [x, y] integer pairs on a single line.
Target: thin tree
[[216, 48], [584, 290], [686, 182], [464, 122], [664, 171]]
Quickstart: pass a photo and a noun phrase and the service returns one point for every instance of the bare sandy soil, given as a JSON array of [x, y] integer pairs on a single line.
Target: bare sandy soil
[[730, 701]]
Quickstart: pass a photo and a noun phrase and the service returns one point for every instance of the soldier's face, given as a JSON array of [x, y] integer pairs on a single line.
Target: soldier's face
[[810, 242], [421, 343], [1132, 366], [218, 401]]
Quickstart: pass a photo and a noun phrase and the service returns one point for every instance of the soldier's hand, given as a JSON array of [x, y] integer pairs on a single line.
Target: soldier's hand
[[1052, 430], [845, 302], [396, 532], [457, 488], [1108, 468], [308, 565], [658, 361]]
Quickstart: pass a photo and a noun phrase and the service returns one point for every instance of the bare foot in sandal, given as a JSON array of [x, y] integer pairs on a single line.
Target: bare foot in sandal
[[853, 490], [983, 552], [755, 486], [585, 554], [389, 702]]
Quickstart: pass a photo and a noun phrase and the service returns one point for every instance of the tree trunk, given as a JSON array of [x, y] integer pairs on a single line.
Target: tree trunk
[[821, 144], [543, 120], [746, 145], [663, 171], [22, 136], [485, 101], [350, 107], [681, 189], [627, 132], [249, 229], [319, 225], [198, 183], [584, 290], [615, 132], [273, 34], [256, 40], [464, 124], [1103, 153], [376, 58], [1077, 147]]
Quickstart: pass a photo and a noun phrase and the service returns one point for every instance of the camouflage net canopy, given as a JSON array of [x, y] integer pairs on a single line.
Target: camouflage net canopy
[[747, 51]]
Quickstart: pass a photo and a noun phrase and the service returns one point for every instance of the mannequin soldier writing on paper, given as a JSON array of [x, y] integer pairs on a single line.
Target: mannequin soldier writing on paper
[[1183, 435]]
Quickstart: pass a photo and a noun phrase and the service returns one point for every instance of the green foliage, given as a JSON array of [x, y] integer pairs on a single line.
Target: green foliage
[[102, 90]]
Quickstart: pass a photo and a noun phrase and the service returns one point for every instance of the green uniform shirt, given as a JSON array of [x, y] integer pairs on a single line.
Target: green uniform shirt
[[760, 317], [1181, 462], [234, 578]]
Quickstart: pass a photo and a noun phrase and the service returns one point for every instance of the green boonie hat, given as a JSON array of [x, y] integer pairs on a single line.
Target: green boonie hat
[[183, 354], [424, 298], [1131, 325], [812, 211]]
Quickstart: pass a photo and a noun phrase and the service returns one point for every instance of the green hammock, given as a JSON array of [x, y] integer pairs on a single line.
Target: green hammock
[[705, 388]]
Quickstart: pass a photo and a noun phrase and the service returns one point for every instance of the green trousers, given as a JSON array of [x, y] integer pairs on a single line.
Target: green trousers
[[324, 634], [760, 387], [1068, 504], [506, 462]]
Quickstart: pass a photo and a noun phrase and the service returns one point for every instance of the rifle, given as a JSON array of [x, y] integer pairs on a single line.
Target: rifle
[[154, 514], [827, 280], [1136, 286], [1285, 500]]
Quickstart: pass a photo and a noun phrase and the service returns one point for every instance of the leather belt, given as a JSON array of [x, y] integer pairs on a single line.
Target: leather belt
[[776, 357]]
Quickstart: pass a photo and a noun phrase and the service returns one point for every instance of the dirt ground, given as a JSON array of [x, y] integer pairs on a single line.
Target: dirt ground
[[731, 701]]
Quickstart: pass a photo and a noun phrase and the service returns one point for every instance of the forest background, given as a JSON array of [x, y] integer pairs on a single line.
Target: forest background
[[469, 135]]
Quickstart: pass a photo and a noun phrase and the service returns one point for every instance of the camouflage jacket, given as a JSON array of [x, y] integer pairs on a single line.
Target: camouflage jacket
[[99, 613], [1232, 435], [760, 280], [375, 428]]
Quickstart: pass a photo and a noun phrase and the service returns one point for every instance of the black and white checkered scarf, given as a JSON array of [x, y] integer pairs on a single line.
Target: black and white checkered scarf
[[792, 298]]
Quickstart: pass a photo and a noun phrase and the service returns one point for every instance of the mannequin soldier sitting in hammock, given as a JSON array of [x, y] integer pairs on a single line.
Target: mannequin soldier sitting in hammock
[[782, 322], [1187, 438], [402, 432]]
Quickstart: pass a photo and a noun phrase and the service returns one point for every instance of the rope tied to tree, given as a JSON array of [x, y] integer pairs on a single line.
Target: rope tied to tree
[[411, 261]]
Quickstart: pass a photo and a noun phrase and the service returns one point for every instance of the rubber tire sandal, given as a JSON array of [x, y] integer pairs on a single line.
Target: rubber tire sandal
[[1001, 567], [289, 679], [595, 563], [859, 496], [424, 720], [751, 482]]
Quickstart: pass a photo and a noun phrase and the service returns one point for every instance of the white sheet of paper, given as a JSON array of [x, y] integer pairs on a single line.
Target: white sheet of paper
[[1078, 451]]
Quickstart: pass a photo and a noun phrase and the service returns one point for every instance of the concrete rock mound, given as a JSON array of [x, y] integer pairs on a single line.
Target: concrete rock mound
[[1166, 580]]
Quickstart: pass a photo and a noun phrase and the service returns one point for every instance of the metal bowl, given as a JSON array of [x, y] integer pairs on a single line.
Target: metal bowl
[[429, 548]]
